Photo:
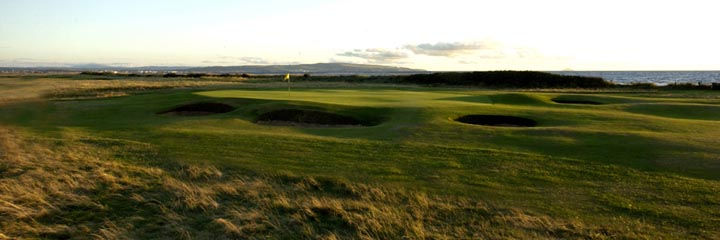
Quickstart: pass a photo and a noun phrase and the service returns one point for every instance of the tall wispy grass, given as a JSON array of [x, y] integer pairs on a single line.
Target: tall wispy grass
[[60, 188]]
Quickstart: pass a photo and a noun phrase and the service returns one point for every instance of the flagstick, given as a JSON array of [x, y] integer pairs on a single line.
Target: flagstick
[[287, 78]]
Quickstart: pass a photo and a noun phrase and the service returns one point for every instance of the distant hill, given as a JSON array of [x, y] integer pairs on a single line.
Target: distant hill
[[315, 69], [92, 67], [318, 68]]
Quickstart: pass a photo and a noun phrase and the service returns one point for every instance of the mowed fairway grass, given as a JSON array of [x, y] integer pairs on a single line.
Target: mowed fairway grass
[[635, 166]]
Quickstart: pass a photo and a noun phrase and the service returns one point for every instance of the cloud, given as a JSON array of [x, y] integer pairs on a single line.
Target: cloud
[[254, 60], [487, 49], [467, 62], [446, 49], [356, 61], [217, 62], [377, 55], [31, 62], [527, 53], [25, 60], [229, 60], [465, 53]]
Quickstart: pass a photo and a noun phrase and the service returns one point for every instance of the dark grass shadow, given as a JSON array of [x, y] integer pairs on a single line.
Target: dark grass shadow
[[678, 111], [311, 113], [582, 102], [505, 98], [470, 99], [629, 150], [199, 109], [331, 120], [592, 100], [497, 120]]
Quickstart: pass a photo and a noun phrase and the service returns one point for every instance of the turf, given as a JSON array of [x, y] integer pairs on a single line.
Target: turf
[[636, 166]]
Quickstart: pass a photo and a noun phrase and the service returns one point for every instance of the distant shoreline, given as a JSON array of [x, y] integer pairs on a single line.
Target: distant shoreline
[[655, 77]]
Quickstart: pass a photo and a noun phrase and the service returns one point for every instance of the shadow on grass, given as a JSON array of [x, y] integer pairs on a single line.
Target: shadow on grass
[[367, 122], [470, 99], [678, 111], [643, 153], [505, 98], [497, 120], [593, 100], [570, 101], [199, 109]]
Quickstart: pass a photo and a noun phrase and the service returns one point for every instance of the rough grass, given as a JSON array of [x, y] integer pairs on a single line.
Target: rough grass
[[68, 87], [60, 188]]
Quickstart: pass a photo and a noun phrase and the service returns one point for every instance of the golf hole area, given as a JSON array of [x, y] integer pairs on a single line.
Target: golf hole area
[[199, 109], [497, 120], [571, 101], [311, 118]]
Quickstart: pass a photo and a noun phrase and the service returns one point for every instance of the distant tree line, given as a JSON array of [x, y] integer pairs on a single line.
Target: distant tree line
[[188, 75], [507, 79]]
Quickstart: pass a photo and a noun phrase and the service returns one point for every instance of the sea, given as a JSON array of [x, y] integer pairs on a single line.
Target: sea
[[659, 78]]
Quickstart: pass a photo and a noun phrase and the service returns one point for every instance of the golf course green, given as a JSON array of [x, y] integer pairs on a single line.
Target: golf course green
[[595, 165]]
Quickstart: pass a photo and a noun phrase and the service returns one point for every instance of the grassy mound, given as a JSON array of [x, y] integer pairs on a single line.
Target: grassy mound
[[308, 117], [517, 99], [199, 109], [599, 99], [497, 120]]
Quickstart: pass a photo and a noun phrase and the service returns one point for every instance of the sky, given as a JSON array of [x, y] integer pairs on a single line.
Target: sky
[[447, 35]]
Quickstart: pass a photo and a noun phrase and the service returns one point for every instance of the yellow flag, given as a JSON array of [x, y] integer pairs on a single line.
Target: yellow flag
[[287, 77]]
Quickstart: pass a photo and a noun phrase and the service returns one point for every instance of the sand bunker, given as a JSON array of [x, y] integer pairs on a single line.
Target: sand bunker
[[199, 109], [571, 101], [299, 117], [497, 120]]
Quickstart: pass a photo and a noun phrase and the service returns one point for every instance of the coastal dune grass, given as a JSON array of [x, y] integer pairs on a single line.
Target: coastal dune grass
[[638, 166], [60, 188]]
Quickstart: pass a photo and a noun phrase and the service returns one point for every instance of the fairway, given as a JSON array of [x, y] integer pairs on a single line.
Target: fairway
[[644, 162]]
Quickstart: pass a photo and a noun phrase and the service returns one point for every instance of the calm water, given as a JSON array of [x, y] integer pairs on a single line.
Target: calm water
[[657, 77]]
